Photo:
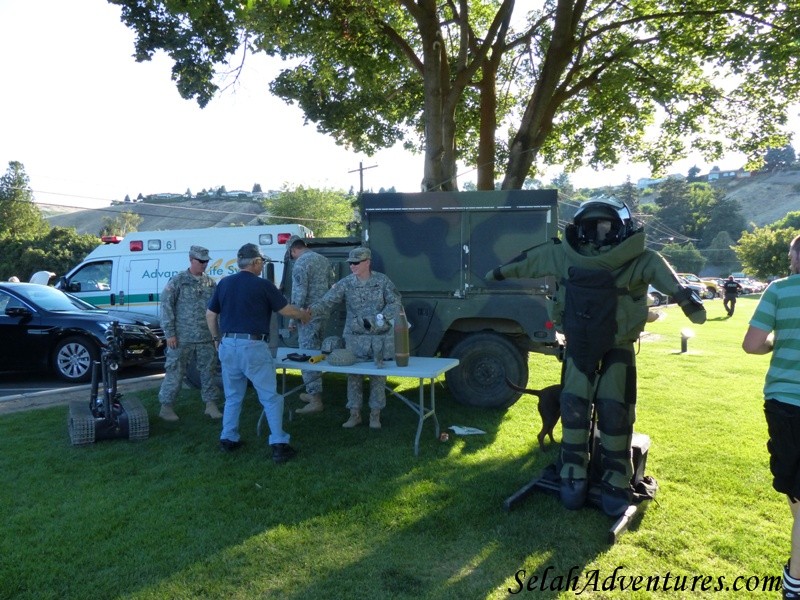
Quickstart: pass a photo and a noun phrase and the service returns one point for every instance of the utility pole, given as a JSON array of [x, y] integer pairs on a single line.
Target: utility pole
[[361, 168]]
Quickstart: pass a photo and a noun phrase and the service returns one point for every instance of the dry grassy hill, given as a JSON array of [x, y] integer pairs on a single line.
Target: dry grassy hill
[[767, 198], [764, 198], [188, 214]]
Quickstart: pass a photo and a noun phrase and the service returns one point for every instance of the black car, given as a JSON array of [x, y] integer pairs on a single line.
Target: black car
[[44, 329]]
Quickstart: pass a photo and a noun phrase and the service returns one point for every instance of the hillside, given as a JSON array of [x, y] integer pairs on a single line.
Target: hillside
[[767, 198], [764, 198], [189, 214]]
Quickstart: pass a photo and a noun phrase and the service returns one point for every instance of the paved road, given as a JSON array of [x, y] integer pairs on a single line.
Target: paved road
[[25, 391]]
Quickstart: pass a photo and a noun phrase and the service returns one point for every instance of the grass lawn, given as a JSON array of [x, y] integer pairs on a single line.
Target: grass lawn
[[357, 515]]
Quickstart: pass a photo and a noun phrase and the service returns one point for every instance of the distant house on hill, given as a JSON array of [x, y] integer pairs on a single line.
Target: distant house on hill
[[716, 174]]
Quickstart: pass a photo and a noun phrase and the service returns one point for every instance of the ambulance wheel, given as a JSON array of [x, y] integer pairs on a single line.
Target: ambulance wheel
[[485, 361], [73, 359]]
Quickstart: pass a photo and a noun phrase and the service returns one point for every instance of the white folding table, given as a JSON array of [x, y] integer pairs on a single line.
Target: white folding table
[[421, 368]]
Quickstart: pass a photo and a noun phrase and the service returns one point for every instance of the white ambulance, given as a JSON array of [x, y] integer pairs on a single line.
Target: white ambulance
[[129, 273]]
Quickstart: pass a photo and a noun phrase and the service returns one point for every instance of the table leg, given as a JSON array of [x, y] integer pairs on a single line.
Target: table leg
[[433, 407]]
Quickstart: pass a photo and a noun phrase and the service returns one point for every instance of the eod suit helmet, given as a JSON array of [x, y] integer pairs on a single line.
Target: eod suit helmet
[[604, 208]]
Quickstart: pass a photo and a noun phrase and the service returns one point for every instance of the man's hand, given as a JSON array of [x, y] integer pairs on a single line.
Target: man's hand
[[172, 342], [305, 315]]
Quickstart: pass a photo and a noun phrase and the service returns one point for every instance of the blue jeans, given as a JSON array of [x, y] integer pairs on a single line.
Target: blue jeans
[[250, 359]]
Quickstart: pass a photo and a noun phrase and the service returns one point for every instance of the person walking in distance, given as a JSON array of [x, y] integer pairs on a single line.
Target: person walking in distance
[[183, 305], [238, 317], [372, 303], [311, 276], [731, 289], [773, 328]]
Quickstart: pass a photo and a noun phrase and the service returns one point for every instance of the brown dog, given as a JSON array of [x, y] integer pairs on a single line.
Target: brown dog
[[549, 408]]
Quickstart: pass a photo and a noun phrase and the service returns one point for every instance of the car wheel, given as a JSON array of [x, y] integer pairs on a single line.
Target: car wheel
[[73, 359], [709, 295], [657, 301], [485, 361]]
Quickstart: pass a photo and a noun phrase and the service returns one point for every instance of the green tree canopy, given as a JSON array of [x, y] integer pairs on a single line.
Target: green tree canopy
[[125, 222], [776, 158], [19, 216], [697, 211], [764, 252], [326, 212], [629, 194], [790, 221], [501, 86], [675, 206], [27, 242], [57, 250], [725, 215], [720, 254], [684, 258]]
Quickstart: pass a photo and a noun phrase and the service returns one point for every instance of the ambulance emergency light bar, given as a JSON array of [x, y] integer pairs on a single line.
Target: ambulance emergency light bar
[[264, 239]]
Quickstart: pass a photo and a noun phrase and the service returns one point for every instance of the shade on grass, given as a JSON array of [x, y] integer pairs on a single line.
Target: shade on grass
[[357, 515]]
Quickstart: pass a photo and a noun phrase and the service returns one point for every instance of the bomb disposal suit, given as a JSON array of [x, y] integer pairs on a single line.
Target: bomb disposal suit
[[604, 270]]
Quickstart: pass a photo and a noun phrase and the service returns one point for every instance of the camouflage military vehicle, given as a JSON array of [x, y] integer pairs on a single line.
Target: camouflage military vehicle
[[436, 247]]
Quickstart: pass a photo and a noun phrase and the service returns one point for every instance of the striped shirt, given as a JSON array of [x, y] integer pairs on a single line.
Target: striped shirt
[[779, 311]]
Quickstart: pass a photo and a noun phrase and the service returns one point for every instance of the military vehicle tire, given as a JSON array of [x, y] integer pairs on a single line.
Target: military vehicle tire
[[485, 360]]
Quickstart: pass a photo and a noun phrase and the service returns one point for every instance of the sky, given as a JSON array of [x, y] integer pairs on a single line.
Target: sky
[[91, 125]]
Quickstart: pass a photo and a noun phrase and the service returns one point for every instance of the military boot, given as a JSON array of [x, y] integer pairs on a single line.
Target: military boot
[[573, 493], [375, 419], [212, 410], [615, 501], [167, 413], [314, 405], [355, 419]]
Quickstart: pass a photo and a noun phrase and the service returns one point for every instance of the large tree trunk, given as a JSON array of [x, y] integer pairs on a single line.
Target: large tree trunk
[[537, 122], [436, 86], [488, 126]]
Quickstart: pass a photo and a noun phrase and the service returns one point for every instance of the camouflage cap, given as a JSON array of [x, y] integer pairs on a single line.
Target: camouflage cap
[[199, 253], [250, 251], [341, 357], [359, 254], [293, 240]]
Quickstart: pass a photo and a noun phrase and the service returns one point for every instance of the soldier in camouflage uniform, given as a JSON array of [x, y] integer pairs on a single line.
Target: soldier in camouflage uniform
[[372, 303], [311, 276], [602, 243], [183, 317]]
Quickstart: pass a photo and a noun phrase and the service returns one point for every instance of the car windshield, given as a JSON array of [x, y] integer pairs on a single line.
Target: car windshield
[[48, 298], [81, 304]]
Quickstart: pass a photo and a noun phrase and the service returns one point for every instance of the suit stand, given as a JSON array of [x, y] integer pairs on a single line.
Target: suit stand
[[644, 487]]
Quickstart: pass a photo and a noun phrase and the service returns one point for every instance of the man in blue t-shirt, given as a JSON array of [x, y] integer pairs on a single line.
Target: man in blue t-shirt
[[773, 329], [238, 317]]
